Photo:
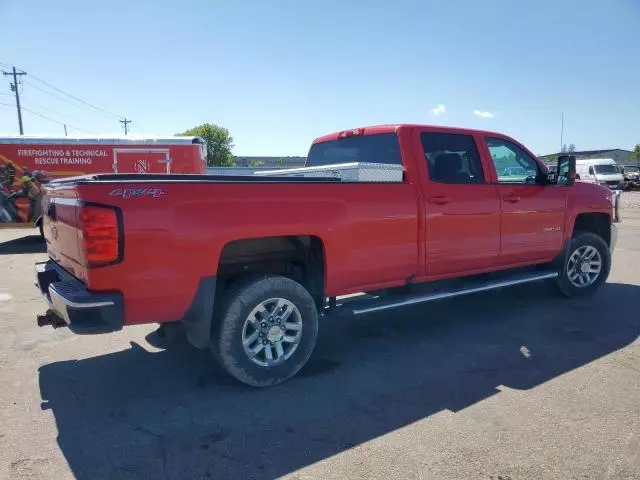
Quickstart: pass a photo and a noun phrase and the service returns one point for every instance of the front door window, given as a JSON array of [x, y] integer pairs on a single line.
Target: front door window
[[513, 164]]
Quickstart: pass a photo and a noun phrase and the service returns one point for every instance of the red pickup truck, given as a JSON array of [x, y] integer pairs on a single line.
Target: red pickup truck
[[248, 265]]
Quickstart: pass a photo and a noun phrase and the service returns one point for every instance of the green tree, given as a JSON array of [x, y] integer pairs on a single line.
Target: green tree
[[281, 162], [219, 144], [635, 154], [568, 148]]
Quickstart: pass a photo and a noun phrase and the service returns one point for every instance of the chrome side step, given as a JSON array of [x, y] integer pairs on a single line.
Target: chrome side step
[[379, 304]]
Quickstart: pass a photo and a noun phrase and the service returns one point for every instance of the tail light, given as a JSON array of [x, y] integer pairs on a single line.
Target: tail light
[[351, 133], [101, 235]]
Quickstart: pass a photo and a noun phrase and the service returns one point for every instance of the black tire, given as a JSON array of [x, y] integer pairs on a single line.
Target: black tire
[[229, 321], [564, 283]]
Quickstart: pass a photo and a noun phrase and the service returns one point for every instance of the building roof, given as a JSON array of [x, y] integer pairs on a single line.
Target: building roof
[[590, 152]]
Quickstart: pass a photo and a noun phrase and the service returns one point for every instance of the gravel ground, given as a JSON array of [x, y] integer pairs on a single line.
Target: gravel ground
[[631, 200], [516, 384]]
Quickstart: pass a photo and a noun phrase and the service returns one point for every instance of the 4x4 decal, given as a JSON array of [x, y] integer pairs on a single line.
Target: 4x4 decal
[[127, 193]]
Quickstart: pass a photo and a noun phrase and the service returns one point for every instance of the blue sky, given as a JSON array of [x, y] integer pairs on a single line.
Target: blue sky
[[279, 73]]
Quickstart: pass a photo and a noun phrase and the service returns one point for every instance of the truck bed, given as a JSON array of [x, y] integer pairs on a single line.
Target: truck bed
[[174, 229], [195, 178]]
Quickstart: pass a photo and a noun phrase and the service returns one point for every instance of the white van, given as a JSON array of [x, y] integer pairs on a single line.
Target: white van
[[600, 170]]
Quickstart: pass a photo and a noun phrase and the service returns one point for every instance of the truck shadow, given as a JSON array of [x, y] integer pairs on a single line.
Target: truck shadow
[[26, 244], [172, 414]]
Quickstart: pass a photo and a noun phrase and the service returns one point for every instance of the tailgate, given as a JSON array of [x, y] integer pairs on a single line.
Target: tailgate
[[62, 229]]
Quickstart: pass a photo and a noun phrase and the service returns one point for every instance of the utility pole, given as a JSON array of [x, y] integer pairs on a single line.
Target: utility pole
[[65, 130], [561, 130], [14, 88], [125, 123]]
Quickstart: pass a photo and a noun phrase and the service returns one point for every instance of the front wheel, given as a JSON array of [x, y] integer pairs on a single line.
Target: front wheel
[[265, 331], [586, 267]]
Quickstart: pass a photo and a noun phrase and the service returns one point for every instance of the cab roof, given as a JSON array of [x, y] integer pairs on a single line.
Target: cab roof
[[393, 128]]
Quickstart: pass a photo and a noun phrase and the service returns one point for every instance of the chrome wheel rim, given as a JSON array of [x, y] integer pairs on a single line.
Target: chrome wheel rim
[[584, 266], [272, 332]]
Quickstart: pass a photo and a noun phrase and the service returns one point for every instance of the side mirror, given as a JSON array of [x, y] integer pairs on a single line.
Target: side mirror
[[566, 170]]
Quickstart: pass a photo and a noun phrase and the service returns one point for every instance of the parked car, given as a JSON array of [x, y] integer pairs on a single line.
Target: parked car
[[631, 177], [518, 171], [250, 265], [603, 171]]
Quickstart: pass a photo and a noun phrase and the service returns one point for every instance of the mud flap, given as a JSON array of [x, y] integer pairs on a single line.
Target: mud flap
[[197, 320]]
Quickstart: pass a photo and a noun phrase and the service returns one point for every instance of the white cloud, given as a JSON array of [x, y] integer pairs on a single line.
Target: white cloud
[[482, 114], [438, 109]]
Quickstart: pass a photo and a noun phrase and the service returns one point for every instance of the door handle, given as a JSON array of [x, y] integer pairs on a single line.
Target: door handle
[[511, 198], [440, 200]]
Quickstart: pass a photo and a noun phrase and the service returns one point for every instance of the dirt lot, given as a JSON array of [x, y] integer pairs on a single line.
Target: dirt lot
[[516, 384]]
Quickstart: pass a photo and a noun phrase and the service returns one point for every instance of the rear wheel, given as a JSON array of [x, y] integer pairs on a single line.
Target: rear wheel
[[266, 330], [586, 266]]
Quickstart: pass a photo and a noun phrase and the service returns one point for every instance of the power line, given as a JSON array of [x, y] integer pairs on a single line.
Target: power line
[[42, 107], [54, 95], [59, 97], [76, 98], [69, 98], [58, 121], [50, 119]]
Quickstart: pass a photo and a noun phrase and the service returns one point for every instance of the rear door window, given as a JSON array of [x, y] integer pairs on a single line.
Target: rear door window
[[452, 158], [380, 148]]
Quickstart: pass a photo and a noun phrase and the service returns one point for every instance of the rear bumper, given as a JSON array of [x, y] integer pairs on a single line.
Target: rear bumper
[[614, 237], [82, 311], [615, 204], [613, 185]]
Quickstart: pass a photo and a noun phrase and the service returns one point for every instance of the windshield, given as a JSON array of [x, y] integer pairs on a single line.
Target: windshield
[[606, 169], [381, 148]]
